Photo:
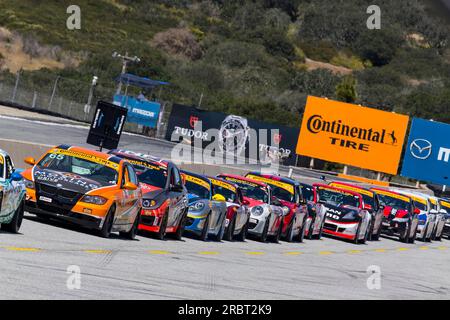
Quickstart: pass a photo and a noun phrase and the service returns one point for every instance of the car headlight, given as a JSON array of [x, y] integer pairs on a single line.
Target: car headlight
[[197, 206], [29, 184], [258, 210], [94, 200], [148, 203]]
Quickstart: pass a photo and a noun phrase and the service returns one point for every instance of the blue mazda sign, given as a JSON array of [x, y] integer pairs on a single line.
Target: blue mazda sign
[[427, 154], [142, 112]]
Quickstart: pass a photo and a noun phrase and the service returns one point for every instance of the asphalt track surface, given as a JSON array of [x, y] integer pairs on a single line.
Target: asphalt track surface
[[34, 263]]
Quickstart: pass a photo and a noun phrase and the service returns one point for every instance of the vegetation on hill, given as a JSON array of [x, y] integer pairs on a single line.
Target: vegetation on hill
[[247, 57]]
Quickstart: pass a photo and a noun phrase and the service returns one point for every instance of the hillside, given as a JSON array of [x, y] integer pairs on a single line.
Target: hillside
[[256, 58]]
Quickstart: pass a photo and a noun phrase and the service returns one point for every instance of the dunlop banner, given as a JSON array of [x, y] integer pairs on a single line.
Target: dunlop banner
[[353, 135]]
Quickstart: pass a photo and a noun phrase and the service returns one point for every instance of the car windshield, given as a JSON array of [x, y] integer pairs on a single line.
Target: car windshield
[[87, 169], [282, 194], [308, 193], [229, 195], [254, 192], [337, 198], [156, 177], [197, 189], [396, 203], [420, 205]]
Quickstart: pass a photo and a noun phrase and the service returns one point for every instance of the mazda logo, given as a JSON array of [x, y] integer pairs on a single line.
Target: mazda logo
[[421, 149]]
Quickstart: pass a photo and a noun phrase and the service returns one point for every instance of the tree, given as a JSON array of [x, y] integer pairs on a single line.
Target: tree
[[346, 89]]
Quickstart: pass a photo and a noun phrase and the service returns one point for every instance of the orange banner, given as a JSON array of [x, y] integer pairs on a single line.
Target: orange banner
[[353, 135]]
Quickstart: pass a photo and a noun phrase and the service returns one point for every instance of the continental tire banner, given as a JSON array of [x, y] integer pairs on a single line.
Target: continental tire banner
[[353, 135], [233, 134]]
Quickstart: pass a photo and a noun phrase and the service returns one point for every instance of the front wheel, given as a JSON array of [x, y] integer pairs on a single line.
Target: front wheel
[[180, 230], [131, 235], [161, 234], [404, 236], [276, 238], [16, 221], [243, 234], [105, 231], [290, 233], [263, 236], [228, 236], [205, 230], [301, 235]]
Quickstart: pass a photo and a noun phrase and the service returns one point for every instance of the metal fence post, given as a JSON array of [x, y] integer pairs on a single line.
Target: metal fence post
[[33, 105], [53, 93], [13, 98]]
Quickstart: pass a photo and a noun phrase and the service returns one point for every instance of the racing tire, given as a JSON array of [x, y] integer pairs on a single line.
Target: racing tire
[[161, 234], [301, 235], [290, 233], [243, 234], [219, 236], [16, 222], [412, 239], [229, 231], [376, 237], [371, 227], [205, 230], [105, 231], [424, 237], [311, 230], [180, 229], [263, 236], [131, 235], [319, 235], [366, 236], [404, 237], [276, 238]]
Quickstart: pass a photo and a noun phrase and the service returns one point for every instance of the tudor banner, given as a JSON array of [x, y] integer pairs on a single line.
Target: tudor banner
[[427, 154], [235, 134], [353, 135]]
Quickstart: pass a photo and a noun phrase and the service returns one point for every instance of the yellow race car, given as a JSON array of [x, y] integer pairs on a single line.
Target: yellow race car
[[89, 188]]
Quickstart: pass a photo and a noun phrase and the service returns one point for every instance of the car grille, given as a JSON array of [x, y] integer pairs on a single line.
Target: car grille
[[147, 220], [62, 200], [330, 226], [252, 225], [189, 221]]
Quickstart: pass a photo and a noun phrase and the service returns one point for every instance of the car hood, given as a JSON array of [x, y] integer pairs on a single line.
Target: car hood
[[399, 214], [149, 191], [253, 202], [340, 212], [65, 180]]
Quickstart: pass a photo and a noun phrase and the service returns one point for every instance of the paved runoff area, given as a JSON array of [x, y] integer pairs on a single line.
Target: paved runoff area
[[42, 261], [53, 260]]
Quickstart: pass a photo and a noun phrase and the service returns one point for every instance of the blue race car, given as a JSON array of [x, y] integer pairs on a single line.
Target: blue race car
[[207, 212]]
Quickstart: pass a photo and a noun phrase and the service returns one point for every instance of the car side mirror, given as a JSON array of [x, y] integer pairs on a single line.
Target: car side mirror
[[16, 176], [130, 186], [176, 188], [30, 161]]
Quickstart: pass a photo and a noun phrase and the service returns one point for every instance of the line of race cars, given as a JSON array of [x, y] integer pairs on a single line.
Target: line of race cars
[[130, 193]]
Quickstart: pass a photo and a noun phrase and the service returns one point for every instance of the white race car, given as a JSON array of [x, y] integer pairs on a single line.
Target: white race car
[[12, 195]]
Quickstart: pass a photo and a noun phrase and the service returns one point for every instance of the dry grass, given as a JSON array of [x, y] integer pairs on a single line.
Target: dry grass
[[313, 65]]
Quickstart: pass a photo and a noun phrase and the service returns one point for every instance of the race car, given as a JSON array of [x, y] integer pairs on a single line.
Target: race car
[[12, 195], [266, 213], [237, 219], [445, 209], [427, 216], [372, 205], [89, 188], [164, 199], [347, 215], [441, 217], [207, 212], [288, 193], [401, 218], [316, 212]]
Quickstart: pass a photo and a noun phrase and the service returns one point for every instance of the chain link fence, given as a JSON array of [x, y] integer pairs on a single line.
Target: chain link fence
[[68, 98]]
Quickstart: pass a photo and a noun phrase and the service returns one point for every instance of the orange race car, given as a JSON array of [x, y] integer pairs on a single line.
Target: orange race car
[[86, 187]]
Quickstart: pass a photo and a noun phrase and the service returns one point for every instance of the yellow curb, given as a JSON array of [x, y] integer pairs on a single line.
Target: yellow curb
[[208, 252], [424, 248], [23, 249], [402, 249], [256, 253], [325, 252], [98, 251], [380, 250], [159, 252], [354, 251], [293, 253]]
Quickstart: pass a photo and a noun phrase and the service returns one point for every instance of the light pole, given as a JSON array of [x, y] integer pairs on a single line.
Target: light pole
[[125, 59], [87, 106]]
